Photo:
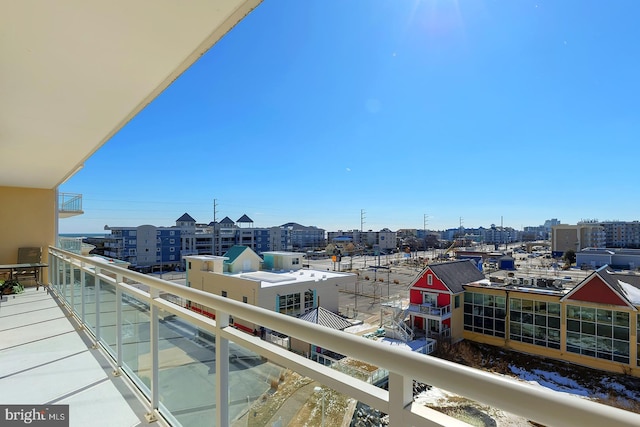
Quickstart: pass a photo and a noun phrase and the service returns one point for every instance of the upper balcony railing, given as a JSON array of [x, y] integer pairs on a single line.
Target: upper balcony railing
[[193, 369], [432, 310], [69, 205]]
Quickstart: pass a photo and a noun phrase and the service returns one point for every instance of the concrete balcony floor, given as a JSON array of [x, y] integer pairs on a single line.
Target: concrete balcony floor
[[47, 361]]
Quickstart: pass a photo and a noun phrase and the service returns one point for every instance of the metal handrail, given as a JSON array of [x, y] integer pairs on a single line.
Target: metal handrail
[[70, 202], [404, 366]]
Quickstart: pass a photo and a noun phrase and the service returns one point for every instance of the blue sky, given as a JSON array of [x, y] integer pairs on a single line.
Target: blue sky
[[314, 111]]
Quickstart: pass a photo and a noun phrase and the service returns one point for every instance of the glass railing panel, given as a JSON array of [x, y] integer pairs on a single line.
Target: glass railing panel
[[252, 378], [187, 374], [291, 399], [56, 270], [90, 301], [75, 291], [108, 319], [136, 356]]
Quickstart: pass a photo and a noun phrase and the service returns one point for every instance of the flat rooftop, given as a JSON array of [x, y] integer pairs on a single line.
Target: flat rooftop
[[278, 278]]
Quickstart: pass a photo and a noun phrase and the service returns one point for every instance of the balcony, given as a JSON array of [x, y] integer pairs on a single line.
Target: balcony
[[441, 312], [69, 205], [75, 245], [190, 370]]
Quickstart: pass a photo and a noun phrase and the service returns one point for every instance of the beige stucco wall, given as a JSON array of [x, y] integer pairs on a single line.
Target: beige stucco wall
[[564, 237], [457, 318], [27, 218], [246, 261]]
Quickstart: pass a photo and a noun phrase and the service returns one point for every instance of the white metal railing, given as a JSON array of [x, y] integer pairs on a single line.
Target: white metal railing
[[70, 202], [71, 244], [439, 311], [111, 301]]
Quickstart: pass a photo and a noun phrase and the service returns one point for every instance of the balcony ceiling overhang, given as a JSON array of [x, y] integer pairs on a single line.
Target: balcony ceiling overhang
[[73, 73]]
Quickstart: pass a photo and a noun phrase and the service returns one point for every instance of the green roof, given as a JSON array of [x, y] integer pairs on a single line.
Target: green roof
[[233, 253]]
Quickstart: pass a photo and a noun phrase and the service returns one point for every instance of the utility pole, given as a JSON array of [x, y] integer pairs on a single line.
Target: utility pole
[[425, 233], [215, 227]]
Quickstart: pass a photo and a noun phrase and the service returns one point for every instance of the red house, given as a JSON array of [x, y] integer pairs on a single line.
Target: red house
[[436, 299]]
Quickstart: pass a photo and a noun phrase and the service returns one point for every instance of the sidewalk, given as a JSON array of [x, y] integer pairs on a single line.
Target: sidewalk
[[288, 411]]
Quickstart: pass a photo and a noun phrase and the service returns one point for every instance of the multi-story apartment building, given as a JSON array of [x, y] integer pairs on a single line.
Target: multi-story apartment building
[[493, 234], [305, 238], [384, 240], [596, 234], [145, 247], [576, 237], [188, 237], [621, 234]]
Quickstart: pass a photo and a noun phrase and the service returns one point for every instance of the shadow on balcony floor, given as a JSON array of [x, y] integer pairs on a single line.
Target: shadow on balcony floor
[[46, 361]]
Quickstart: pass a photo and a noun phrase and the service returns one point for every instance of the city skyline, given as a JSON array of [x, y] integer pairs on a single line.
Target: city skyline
[[312, 112]]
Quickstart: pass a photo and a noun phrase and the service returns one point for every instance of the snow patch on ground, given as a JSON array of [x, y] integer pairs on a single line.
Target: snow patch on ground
[[359, 328], [550, 380]]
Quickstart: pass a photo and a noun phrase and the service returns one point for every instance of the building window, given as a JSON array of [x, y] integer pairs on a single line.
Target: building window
[[224, 294], [132, 252], [430, 299], [308, 300], [597, 332], [244, 299], [429, 279], [535, 322], [289, 304], [456, 301], [172, 241], [295, 261], [485, 314], [172, 249]]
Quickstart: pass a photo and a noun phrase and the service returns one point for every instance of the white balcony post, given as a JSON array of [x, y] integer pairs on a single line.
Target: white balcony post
[[118, 324], [222, 370], [64, 278], [83, 278], [154, 347], [72, 285], [400, 395], [97, 297]]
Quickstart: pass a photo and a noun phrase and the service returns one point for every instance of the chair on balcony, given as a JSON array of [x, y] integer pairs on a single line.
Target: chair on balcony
[[30, 255]]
